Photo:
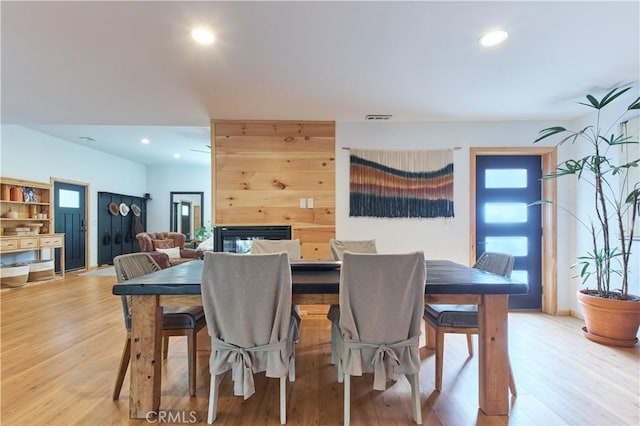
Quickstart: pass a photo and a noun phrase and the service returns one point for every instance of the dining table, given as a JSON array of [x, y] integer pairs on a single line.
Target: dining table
[[314, 282]]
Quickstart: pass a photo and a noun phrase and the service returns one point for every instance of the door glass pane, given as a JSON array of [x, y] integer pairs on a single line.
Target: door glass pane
[[516, 246], [505, 178], [68, 199], [505, 213], [520, 276]]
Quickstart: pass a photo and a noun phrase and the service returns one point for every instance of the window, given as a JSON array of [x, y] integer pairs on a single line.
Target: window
[[505, 212], [505, 178], [68, 199]]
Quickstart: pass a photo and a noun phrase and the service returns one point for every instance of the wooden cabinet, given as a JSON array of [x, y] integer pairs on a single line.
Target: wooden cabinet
[[26, 218], [25, 204]]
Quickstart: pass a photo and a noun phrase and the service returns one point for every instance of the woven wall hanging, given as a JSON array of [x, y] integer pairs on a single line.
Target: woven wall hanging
[[401, 183]]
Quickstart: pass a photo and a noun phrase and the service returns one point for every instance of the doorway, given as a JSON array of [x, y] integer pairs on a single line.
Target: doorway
[[186, 212], [506, 220], [185, 218], [70, 217], [548, 212]]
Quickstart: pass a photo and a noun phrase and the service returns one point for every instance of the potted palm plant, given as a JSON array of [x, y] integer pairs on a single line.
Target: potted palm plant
[[611, 314]]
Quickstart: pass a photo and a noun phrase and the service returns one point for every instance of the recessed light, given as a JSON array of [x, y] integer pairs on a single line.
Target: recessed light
[[203, 35], [145, 141], [493, 38], [176, 156]]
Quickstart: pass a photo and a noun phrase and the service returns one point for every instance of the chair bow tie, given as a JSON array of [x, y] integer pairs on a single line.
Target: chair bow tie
[[241, 373], [384, 356], [380, 372], [241, 363]]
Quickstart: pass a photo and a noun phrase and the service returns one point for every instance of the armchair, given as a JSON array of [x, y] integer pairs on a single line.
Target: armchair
[[166, 248]]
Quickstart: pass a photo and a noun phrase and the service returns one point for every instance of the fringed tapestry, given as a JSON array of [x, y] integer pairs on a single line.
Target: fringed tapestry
[[401, 183]]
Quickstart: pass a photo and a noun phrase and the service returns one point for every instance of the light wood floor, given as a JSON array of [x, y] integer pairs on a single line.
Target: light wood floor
[[62, 341]]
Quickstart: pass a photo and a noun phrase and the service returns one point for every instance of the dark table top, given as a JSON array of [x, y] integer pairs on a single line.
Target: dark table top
[[443, 277]]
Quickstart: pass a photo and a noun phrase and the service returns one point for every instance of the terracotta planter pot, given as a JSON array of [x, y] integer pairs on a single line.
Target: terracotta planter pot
[[611, 322]]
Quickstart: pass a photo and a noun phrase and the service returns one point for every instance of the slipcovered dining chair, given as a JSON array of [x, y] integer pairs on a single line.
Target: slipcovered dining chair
[[291, 247], [381, 304], [336, 250], [177, 321], [247, 303], [463, 319]]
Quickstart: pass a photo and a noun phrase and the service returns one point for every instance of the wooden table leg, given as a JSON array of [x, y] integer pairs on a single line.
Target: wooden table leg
[[493, 355], [146, 356], [430, 336]]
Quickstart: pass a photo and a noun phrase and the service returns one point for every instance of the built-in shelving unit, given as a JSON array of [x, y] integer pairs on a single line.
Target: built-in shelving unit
[[26, 218]]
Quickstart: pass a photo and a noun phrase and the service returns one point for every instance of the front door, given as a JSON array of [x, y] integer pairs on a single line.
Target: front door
[[506, 221], [70, 219]]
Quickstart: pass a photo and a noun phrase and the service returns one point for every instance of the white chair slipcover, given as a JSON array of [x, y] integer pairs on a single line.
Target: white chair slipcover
[[247, 304], [338, 247], [336, 250], [292, 247], [381, 305]]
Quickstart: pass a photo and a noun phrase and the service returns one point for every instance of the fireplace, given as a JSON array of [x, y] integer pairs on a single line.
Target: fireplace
[[238, 239]]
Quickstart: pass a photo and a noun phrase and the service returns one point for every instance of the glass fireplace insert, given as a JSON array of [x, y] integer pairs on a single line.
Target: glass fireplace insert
[[238, 239]]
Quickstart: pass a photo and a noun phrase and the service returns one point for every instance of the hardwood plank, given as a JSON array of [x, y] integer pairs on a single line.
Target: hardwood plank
[[62, 341], [146, 331], [271, 128], [318, 216], [267, 163], [270, 144], [315, 234], [309, 181], [492, 321], [289, 198], [319, 251]]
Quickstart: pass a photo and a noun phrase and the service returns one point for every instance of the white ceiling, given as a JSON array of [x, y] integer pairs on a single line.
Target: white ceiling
[[119, 71]]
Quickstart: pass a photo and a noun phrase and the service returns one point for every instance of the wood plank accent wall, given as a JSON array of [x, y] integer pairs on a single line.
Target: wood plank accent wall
[[263, 168]]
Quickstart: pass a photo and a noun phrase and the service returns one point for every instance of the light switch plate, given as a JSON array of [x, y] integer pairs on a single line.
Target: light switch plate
[[303, 203], [310, 203]]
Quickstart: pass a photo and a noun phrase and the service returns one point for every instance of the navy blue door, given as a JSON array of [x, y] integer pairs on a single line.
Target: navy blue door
[[505, 221], [70, 218]]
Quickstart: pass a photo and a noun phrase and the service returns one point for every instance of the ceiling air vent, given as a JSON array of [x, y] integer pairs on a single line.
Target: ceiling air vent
[[377, 117]]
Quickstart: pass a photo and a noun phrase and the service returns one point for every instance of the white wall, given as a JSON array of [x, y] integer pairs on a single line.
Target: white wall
[[442, 238], [161, 180], [31, 155], [610, 116]]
